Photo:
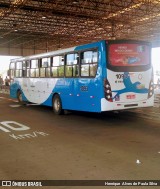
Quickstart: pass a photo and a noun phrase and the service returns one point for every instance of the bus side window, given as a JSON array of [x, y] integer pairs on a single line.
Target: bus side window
[[12, 70], [28, 68], [24, 70], [48, 72], [34, 71], [57, 69], [89, 62], [48, 68], [45, 67], [18, 72], [72, 65]]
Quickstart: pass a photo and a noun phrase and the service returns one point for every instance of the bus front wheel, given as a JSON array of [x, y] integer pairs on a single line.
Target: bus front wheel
[[19, 97], [57, 105]]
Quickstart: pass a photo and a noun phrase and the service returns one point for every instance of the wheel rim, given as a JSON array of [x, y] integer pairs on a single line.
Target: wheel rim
[[56, 105]]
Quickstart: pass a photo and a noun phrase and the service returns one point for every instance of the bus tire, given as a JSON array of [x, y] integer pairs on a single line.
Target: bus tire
[[57, 105], [19, 97]]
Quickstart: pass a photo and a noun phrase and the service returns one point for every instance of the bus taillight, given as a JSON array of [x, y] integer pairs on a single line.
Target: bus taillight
[[151, 89], [107, 90]]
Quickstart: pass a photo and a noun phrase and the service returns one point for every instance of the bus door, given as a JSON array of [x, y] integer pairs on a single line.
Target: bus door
[[71, 74], [86, 85], [82, 94], [88, 94]]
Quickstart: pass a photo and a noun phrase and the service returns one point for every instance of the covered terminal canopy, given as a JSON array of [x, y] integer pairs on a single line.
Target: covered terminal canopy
[[46, 25]]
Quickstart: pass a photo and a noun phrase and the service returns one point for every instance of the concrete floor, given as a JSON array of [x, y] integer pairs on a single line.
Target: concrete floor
[[79, 146]]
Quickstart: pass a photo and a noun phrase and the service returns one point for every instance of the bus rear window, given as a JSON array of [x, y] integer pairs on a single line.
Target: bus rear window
[[129, 55]]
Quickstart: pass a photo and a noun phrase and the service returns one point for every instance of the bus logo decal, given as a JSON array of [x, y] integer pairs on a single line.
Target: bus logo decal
[[130, 87]]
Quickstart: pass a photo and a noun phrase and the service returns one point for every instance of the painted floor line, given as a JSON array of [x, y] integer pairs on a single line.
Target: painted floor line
[[14, 106]]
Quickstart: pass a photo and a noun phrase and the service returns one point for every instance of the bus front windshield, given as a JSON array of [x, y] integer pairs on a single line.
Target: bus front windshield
[[128, 55]]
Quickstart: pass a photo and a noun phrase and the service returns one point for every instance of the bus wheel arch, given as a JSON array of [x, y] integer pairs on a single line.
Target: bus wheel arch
[[57, 104]]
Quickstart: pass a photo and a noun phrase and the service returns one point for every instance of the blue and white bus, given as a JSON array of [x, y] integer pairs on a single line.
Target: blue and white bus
[[96, 77]]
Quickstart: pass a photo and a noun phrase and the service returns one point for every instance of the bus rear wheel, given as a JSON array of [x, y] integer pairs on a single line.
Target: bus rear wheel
[[57, 105]]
